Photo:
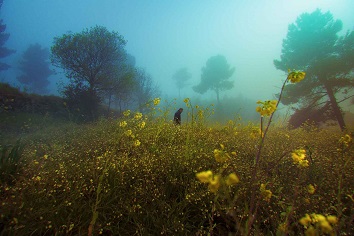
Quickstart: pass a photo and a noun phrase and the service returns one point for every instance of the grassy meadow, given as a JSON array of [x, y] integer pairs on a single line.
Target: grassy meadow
[[143, 175]]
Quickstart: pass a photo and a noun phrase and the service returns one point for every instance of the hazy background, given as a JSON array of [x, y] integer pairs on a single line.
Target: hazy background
[[164, 36]]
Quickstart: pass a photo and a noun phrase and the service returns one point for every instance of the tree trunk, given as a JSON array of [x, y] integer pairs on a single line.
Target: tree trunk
[[217, 96], [109, 104], [335, 107]]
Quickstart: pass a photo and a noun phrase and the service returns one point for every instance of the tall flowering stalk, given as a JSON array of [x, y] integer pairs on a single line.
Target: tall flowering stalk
[[267, 108]]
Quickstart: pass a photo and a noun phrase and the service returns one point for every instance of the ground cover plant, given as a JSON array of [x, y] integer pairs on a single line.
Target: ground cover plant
[[143, 175]]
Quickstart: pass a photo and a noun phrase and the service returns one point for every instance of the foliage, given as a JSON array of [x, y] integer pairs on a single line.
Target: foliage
[[93, 60], [4, 52], [144, 90], [137, 176], [181, 77], [35, 69], [312, 44], [215, 76], [10, 163]]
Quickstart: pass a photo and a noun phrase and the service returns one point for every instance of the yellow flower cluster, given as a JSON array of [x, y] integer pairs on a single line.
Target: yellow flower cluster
[[266, 108], [142, 125], [266, 193], [345, 140], [299, 156], [311, 189], [156, 101], [126, 113], [296, 76], [221, 155], [137, 143], [123, 124], [214, 181], [138, 116], [232, 179], [256, 132], [128, 133], [208, 178], [317, 222]]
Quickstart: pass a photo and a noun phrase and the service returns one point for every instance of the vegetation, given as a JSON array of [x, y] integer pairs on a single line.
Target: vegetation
[[215, 76], [4, 51], [142, 175], [181, 77], [35, 69], [313, 45], [94, 61]]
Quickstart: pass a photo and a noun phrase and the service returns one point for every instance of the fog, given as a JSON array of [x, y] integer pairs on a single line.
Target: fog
[[164, 36]]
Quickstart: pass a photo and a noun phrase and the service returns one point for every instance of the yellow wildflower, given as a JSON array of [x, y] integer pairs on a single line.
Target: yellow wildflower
[[232, 179], [186, 100], [296, 76], [267, 194], [310, 189], [311, 231], [306, 220], [137, 143], [298, 157], [142, 125], [205, 176], [318, 217], [221, 155], [138, 116], [214, 184], [123, 124], [129, 132], [156, 101], [325, 226], [266, 108], [304, 163], [126, 113], [345, 140], [332, 219]]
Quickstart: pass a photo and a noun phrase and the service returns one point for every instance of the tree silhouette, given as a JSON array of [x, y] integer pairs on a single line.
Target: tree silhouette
[[144, 90], [90, 59], [4, 52], [215, 76], [313, 45], [35, 69], [181, 77]]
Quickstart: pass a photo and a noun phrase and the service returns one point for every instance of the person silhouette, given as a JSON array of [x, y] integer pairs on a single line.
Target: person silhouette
[[177, 116]]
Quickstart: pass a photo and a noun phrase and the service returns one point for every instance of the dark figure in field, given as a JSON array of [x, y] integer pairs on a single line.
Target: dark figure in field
[[177, 117]]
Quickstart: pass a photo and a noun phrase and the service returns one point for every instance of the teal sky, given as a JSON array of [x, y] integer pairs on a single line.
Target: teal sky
[[165, 35]]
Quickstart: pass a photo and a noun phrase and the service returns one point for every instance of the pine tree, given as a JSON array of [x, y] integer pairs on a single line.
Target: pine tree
[[4, 52]]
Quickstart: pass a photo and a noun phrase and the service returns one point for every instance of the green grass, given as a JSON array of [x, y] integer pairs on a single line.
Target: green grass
[[97, 177]]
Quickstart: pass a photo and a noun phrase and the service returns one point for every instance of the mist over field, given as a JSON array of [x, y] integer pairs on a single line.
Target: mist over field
[[165, 36], [185, 117]]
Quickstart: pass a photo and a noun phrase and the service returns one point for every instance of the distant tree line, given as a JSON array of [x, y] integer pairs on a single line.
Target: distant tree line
[[102, 74]]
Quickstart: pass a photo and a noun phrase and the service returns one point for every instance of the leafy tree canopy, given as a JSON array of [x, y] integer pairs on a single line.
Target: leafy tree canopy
[[313, 45], [35, 68], [94, 61], [91, 56], [215, 76]]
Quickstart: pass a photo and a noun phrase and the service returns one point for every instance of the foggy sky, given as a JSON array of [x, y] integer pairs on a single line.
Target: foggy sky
[[164, 35]]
